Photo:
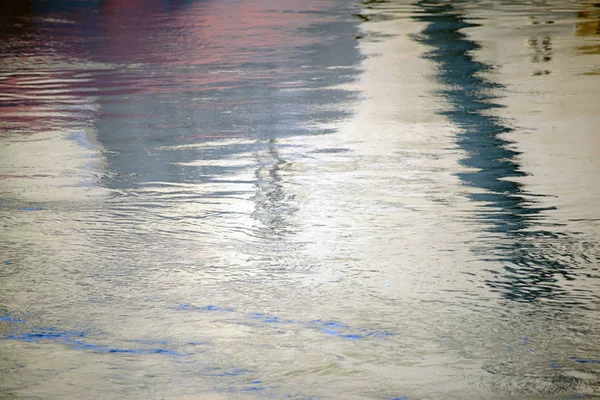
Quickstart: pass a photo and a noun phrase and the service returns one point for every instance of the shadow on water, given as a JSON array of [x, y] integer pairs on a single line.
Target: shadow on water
[[535, 259], [11, 11]]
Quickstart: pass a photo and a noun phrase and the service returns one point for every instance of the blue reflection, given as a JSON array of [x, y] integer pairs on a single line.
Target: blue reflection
[[76, 339], [271, 319], [35, 207], [226, 373], [333, 328], [12, 320], [585, 360], [37, 334], [189, 307]]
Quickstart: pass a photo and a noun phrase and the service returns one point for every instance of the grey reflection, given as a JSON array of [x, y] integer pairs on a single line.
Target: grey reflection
[[541, 47], [536, 259], [273, 206]]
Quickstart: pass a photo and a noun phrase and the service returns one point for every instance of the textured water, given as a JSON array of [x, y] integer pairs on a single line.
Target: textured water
[[299, 199]]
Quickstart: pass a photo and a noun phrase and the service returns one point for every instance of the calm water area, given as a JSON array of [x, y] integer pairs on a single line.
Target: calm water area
[[325, 199]]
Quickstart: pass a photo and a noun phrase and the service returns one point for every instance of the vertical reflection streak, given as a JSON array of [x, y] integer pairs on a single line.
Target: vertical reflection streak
[[272, 207], [536, 259]]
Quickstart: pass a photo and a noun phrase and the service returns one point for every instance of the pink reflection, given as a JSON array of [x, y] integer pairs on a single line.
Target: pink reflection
[[126, 47], [204, 32]]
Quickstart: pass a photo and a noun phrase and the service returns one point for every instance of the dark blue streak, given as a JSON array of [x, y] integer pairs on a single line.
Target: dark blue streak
[[585, 360], [329, 327], [6, 318], [75, 340]]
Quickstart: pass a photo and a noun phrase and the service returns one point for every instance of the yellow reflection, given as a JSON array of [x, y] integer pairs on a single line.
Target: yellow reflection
[[588, 20], [588, 26]]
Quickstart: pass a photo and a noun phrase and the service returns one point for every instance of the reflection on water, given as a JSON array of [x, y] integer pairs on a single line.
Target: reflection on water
[[272, 205], [588, 25], [589, 20], [542, 52], [530, 273], [291, 199]]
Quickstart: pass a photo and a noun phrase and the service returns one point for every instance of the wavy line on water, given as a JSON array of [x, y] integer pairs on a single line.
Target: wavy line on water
[[585, 360], [74, 339], [6, 318], [333, 328]]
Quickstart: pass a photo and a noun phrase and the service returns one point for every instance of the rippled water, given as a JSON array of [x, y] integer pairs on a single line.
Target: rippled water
[[299, 199]]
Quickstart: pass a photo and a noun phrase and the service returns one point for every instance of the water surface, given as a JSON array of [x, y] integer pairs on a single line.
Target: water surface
[[291, 199]]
